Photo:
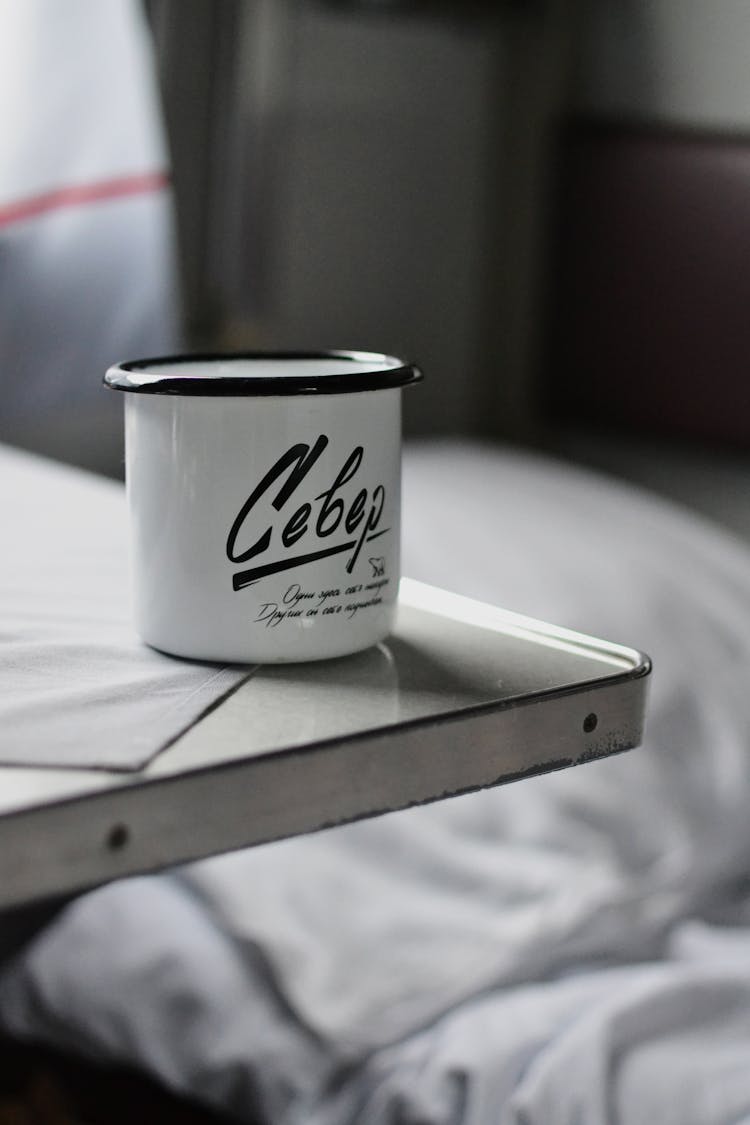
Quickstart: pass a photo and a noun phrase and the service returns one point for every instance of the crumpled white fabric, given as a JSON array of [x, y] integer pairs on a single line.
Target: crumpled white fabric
[[595, 862], [533, 954]]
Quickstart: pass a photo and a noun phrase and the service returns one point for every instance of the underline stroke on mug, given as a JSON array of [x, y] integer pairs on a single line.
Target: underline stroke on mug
[[248, 577]]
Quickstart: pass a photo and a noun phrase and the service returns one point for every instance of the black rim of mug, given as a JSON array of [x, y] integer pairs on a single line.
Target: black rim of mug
[[380, 372]]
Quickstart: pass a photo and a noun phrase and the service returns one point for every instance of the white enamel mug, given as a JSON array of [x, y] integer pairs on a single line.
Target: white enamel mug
[[265, 502]]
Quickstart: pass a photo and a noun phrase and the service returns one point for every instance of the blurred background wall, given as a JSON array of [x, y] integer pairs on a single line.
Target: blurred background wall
[[648, 310], [645, 371], [369, 175], [678, 63], [545, 202]]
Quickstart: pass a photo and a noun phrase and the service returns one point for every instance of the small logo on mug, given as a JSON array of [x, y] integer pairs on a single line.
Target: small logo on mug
[[353, 525]]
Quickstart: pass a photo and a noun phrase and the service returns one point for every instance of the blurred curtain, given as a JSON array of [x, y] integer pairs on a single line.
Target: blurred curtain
[[86, 243]]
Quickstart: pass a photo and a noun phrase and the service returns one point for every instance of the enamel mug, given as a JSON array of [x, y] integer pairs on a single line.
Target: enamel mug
[[264, 497]]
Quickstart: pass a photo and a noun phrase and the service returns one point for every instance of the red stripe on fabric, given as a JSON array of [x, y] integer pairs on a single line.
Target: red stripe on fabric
[[79, 194]]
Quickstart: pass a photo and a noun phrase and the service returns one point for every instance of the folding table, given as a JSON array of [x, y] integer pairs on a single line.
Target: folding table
[[463, 696]]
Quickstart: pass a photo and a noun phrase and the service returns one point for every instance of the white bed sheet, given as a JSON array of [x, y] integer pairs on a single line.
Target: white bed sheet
[[573, 948]]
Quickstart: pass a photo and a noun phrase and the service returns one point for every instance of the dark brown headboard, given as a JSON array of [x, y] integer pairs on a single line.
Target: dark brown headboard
[[649, 290]]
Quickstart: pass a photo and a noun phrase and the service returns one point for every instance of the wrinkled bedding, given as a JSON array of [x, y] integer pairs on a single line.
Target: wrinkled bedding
[[571, 948]]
